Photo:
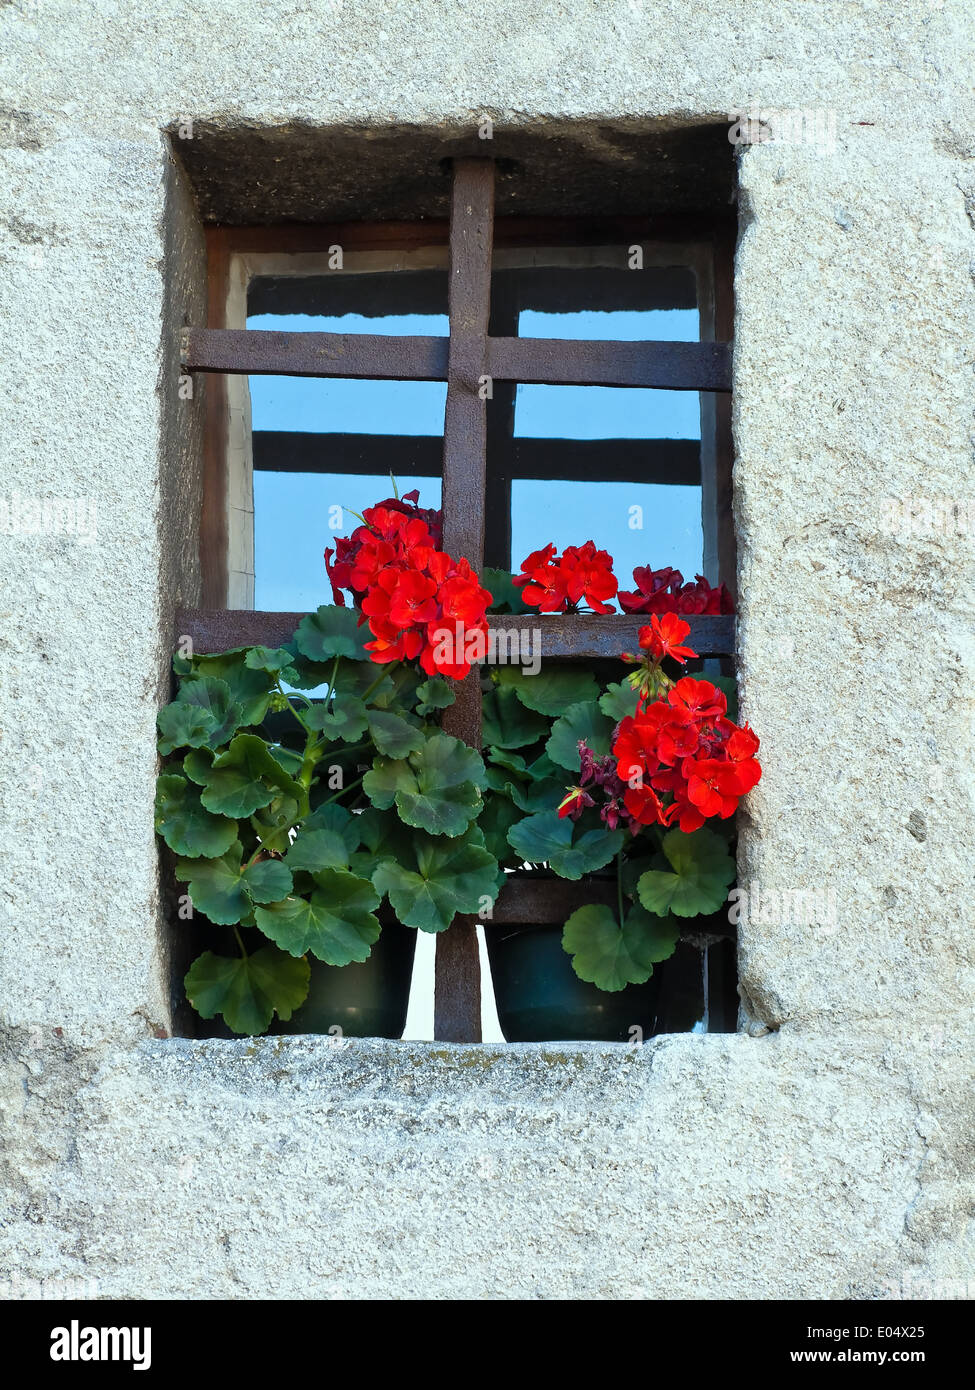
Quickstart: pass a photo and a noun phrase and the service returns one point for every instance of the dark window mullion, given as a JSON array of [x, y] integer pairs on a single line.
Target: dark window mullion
[[457, 987]]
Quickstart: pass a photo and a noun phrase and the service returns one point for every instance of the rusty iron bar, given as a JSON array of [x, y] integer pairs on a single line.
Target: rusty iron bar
[[457, 985], [266, 352], [562, 362], [552, 361], [580, 638]]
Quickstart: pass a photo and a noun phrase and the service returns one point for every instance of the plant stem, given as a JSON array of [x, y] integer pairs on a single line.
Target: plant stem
[[619, 884], [240, 942], [378, 681], [342, 790]]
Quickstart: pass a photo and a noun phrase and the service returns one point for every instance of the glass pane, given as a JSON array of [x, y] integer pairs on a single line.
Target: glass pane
[[608, 412], [292, 527], [570, 513], [297, 514], [337, 405]]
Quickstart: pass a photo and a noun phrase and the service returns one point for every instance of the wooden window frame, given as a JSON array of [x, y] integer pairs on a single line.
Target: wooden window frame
[[462, 359]]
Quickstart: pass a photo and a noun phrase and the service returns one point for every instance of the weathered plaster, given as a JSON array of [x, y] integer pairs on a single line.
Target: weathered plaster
[[821, 1158]]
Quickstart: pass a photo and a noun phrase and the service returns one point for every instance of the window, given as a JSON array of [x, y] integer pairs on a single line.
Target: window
[[481, 321]]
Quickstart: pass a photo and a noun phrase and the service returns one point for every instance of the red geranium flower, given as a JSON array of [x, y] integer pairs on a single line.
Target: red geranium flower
[[559, 584], [664, 637]]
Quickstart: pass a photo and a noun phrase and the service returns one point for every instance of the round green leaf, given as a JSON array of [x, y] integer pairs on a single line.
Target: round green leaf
[[508, 723], [335, 923], [248, 992], [345, 718], [583, 721], [246, 778], [273, 660], [215, 886], [394, 736], [314, 850], [203, 713], [612, 957], [435, 789], [185, 825], [449, 876], [619, 701], [331, 632], [250, 688], [505, 595], [548, 838], [434, 694], [553, 690], [690, 877], [267, 881]]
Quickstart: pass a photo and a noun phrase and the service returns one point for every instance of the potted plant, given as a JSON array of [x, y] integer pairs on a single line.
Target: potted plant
[[656, 757], [304, 784]]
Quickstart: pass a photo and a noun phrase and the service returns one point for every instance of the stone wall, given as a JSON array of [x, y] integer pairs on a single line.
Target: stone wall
[[823, 1150]]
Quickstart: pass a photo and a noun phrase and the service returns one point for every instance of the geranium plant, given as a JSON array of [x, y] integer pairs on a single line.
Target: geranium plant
[[305, 784]]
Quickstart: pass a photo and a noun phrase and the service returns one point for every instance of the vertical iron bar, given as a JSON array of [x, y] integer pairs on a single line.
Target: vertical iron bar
[[457, 992]]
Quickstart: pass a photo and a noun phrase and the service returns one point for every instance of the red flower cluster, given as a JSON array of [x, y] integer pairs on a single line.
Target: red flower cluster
[[559, 583], [420, 603], [344, 572], [664, 591], [683, 759]]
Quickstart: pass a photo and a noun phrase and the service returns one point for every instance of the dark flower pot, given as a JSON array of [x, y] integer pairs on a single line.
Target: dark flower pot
[[540, 998], [366, 1001]]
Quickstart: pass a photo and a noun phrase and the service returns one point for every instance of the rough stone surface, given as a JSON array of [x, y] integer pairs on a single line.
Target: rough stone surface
[[824, 1150]]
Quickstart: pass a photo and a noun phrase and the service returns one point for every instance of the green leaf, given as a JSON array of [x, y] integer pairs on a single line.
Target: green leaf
[[224, 892], [249, 689], [385, 836], [337, 818], [185, 825], [203, 713], [434, 694], [544, 788], [273, 660], [247, 992], [435, 789], [548, 838], [245, 778], [505, 595], [267, 881], [331, 632], [494, 822], [512, 762], [450, 876], [583, 721], [346, 719], [197, 764], [336, 923], [508, 723], [215, 886], [612, 957], [619, 701], [314, 850], [272, 822], [691, 877], [393, 735], [553, 690]]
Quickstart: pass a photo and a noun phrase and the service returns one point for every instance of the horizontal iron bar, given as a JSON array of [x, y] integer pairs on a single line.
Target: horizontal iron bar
[[549, 361], [260, 352], [578, 638], [573, 362], [570, 460]]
